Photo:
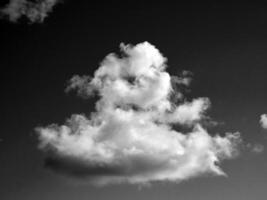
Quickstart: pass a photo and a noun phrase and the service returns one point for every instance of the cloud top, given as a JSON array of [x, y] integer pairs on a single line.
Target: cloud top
[[35, 11], [131, 137]]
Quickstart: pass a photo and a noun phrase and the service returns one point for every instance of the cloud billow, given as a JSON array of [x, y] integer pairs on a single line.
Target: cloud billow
[[130, 138]]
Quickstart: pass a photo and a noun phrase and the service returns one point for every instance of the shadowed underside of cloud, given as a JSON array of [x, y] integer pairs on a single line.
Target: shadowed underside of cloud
[[35, 11], [130, 137]]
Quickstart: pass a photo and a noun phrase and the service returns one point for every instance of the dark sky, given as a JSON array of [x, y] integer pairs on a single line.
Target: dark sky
[[223, 45]]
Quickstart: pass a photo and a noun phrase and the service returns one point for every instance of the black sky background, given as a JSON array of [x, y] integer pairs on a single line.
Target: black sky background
[[224, 45]]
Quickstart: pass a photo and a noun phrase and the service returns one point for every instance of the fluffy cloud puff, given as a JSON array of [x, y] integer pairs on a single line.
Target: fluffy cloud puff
[[35, 11], [263, 121], [130, 137]]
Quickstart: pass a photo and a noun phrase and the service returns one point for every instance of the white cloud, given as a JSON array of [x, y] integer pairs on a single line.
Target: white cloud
[[263, 121], [256, 148], [35, 11], [188, 112], [130, 137]]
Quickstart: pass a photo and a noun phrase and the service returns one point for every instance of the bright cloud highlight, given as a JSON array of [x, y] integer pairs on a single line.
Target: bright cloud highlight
[[263, 121]]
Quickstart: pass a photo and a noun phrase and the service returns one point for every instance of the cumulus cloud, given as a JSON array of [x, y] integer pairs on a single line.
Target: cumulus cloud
[[35, 11], [263, 121], [131, 136]]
